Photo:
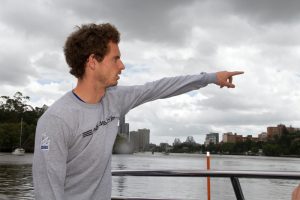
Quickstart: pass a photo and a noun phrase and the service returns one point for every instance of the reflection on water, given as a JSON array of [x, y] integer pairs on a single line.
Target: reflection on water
[[16, 177], [16, 182], [121, 180], [121, 185]]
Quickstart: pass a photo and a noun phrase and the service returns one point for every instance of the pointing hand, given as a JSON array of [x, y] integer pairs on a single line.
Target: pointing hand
[[225, 78]]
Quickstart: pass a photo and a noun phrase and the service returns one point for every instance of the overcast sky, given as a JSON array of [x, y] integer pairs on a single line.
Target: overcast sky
[[167, 38]]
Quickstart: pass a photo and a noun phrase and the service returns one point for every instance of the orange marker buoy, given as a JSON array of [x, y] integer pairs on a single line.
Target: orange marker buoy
[[208, 178]]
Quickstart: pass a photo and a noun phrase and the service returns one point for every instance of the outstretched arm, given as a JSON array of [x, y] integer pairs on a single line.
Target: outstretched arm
[[133, 96]]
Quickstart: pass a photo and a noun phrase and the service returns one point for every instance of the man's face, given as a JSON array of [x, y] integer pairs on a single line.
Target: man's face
[[109, 69]]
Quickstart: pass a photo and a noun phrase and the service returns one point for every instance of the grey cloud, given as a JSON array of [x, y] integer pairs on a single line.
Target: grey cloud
[[41, 19], [231, 118], [181, 130], [51, 61], [137, 20], [266, 11], [231, 102], [15, 69]]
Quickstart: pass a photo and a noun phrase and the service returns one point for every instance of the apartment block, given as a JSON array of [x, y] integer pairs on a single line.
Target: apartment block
[[140, 139], [211, 138], [232, 138]]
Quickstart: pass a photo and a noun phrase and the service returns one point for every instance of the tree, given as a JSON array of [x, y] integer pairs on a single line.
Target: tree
[[272, 150], [9, 136], [176, 142], [211, 147], [227, 148], [295, 147], [190, 140], [122, 146], [18, 103], [12, 110]]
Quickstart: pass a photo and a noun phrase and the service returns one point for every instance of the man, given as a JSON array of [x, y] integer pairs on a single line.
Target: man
[[75, 136]]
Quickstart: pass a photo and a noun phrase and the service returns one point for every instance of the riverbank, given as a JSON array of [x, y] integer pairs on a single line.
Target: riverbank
[[9, 159]]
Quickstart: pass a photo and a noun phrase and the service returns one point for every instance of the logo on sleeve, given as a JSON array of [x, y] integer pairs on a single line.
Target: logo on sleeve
[[45, 142]]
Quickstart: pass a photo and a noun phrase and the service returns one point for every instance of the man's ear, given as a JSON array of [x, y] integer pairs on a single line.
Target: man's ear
[[91, 62]]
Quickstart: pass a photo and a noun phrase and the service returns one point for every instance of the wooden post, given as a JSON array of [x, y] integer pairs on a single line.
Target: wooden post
[[208, 178]]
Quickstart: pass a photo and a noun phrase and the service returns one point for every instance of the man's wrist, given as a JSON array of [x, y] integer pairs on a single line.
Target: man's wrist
[[211, 78]]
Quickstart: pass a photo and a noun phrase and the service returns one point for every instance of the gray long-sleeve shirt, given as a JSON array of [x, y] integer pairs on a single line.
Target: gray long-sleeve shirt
[[74, 140]]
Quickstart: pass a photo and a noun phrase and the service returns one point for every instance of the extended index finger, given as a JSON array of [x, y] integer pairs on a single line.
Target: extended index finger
[[236, 73]]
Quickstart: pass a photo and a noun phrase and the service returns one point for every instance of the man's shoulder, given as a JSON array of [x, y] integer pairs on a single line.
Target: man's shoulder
[[61, 107]]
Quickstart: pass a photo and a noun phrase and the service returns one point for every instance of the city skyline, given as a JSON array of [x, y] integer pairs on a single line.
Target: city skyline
[[167, 38], [269, 132]]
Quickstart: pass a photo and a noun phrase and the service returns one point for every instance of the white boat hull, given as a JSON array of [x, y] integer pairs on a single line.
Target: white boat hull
[[18, 152]]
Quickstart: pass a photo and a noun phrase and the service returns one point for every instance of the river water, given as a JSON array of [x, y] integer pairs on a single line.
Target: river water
[[16, 177]]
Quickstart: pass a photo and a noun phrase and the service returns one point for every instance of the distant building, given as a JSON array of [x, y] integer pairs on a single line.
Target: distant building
[[232, 138], [279, 130], [165, 147], [123, 128], [275, 131], [251, 138], [144, 138], [211, 138], [262, 137], [135, 140], [140, 139]]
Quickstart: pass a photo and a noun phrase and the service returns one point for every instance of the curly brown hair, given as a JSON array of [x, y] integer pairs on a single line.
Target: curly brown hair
[[88, 39]]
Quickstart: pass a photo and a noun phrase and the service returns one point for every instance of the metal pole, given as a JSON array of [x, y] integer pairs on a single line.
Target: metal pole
[[208, 178], [21, 131], [237, 188]]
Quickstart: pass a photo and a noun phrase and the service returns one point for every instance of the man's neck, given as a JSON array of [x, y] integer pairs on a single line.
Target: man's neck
[[89, 92]]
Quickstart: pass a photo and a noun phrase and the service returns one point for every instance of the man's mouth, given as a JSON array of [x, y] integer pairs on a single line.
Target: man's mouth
[[118, 75]]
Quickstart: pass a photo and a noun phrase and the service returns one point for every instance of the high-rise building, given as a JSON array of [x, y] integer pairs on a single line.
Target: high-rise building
[[140, 139], [123, 127], [232, 138], [144, 138], [211, 138], [134, 140]]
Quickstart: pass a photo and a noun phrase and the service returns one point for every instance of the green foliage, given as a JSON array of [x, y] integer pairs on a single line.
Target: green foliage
[[122, 146], [272, 149], [295, 147], [186, 147], [12, 110], [9, 136], [227, 148], [254, 150]]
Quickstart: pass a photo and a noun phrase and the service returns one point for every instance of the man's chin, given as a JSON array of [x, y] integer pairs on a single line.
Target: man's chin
[[113, 84]]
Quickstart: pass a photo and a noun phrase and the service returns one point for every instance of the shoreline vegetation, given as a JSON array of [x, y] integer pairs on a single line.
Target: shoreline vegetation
[[13, 109]]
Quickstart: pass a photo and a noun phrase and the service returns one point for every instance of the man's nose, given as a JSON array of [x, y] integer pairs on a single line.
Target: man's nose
[[122, 66]]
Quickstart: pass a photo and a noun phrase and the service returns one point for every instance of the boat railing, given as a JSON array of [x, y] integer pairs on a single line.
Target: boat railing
[[234, 176]]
